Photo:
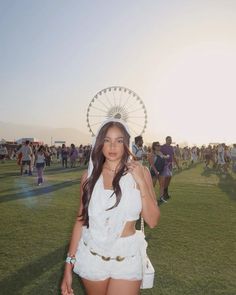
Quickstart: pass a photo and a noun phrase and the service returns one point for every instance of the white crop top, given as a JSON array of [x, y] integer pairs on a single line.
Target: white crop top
[[40, 158], [105, 226]]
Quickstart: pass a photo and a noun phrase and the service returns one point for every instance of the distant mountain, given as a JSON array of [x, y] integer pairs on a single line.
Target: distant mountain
[[12, 131]]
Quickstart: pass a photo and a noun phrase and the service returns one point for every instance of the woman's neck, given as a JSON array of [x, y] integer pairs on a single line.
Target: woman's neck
[[111, 166]]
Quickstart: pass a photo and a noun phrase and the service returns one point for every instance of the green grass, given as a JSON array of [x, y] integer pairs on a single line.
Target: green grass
[[192, 249]]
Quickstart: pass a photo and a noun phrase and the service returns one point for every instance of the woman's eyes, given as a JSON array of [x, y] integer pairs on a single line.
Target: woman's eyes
[[119, 141]]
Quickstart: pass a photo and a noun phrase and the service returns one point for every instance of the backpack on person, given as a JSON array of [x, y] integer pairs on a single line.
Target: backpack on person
[[159, 165]]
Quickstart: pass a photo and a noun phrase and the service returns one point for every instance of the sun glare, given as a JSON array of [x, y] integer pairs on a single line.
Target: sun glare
[[197, 84]]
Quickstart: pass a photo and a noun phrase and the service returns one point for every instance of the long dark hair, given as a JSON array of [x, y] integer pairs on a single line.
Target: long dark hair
[[98, 160]]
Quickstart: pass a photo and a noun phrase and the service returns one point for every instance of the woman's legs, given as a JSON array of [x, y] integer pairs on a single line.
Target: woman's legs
[[162, 185], [39, 169], [96, 287], [124, 287], [41, 174], [112, 287], [38, 173]]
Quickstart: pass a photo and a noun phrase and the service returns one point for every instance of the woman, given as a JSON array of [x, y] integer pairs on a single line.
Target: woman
[[105, 249], [73, 155], [157, 164], [40, 163]]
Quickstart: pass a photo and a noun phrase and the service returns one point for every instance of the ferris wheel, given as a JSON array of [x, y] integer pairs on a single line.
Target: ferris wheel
[[120, 103]]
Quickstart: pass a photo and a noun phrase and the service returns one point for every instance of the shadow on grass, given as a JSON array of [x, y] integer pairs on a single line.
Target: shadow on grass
[[228, 185], [9, 174], [7, 190], [29, 273], [49, 170], [60, 169], [226, 182], [207, 172], [190, 166], [17, 281], [37, 191], [52, 284]]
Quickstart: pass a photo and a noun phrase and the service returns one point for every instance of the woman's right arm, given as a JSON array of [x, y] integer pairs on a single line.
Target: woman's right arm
[[75, 238], [152, 164]]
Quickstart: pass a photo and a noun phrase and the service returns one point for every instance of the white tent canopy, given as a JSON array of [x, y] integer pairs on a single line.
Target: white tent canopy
[[3, 141]]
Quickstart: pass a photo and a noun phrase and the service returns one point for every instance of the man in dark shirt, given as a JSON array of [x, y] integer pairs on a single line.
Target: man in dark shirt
[[167, 149]]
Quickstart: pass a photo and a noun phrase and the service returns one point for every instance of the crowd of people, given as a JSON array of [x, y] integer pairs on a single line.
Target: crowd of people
[[117, 188], [161, 159]]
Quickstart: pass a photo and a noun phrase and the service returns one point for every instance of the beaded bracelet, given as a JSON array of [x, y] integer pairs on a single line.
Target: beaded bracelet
[[70, 260]]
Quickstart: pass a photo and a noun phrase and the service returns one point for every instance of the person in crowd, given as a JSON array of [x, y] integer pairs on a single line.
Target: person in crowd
[[194, 156], [81, 155], [3, 153], [59, 154], [40, 163], [64, 155], [178, 155], [157, 164], [214, 156], [227, 157], [105, 249], [48, 156], [185, 157], [167, 149], [233, 157], [73, 155], [34, 149], [208, 156], [53, 154], [87, 152], [221, 158], [137, 148], [27, 154]]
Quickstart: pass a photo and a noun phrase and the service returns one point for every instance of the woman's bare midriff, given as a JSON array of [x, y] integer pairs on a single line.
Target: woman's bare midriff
[[129, 229]]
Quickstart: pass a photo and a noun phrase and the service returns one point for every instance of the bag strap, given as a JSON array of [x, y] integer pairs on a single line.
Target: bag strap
[[142, 225], [136, 149]]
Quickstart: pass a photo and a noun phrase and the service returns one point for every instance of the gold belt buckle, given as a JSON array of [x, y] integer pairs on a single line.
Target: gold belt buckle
[[117, 258], [105, 258]]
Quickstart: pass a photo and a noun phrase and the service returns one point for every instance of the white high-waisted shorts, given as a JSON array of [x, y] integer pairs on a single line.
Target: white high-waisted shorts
[[94, 268]]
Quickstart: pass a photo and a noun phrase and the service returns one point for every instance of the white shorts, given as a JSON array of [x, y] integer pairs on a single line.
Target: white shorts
[[167, 172], [92, 267]]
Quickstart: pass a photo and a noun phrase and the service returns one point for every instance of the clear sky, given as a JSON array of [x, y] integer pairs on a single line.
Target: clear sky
[[178, 56]]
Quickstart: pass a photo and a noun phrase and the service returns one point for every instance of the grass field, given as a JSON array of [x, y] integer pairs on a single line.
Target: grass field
[[193, 249]]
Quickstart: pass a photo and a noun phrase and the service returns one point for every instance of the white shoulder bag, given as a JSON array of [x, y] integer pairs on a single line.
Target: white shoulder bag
[[148, 269]]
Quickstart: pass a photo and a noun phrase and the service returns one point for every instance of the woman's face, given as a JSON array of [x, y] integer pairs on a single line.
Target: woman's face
[[113, 148]]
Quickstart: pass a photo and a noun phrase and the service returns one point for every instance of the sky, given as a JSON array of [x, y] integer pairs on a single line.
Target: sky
[[178, 56]]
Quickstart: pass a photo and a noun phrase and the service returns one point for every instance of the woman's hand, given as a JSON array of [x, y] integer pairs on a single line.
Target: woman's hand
[[137, 171], [67, 283]]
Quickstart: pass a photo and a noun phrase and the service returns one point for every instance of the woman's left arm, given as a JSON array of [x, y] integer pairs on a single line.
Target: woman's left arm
[[150, 210]]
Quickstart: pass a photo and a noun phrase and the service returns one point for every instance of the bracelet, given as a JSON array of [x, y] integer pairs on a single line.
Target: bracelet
[[70, 260], [71, 255]]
